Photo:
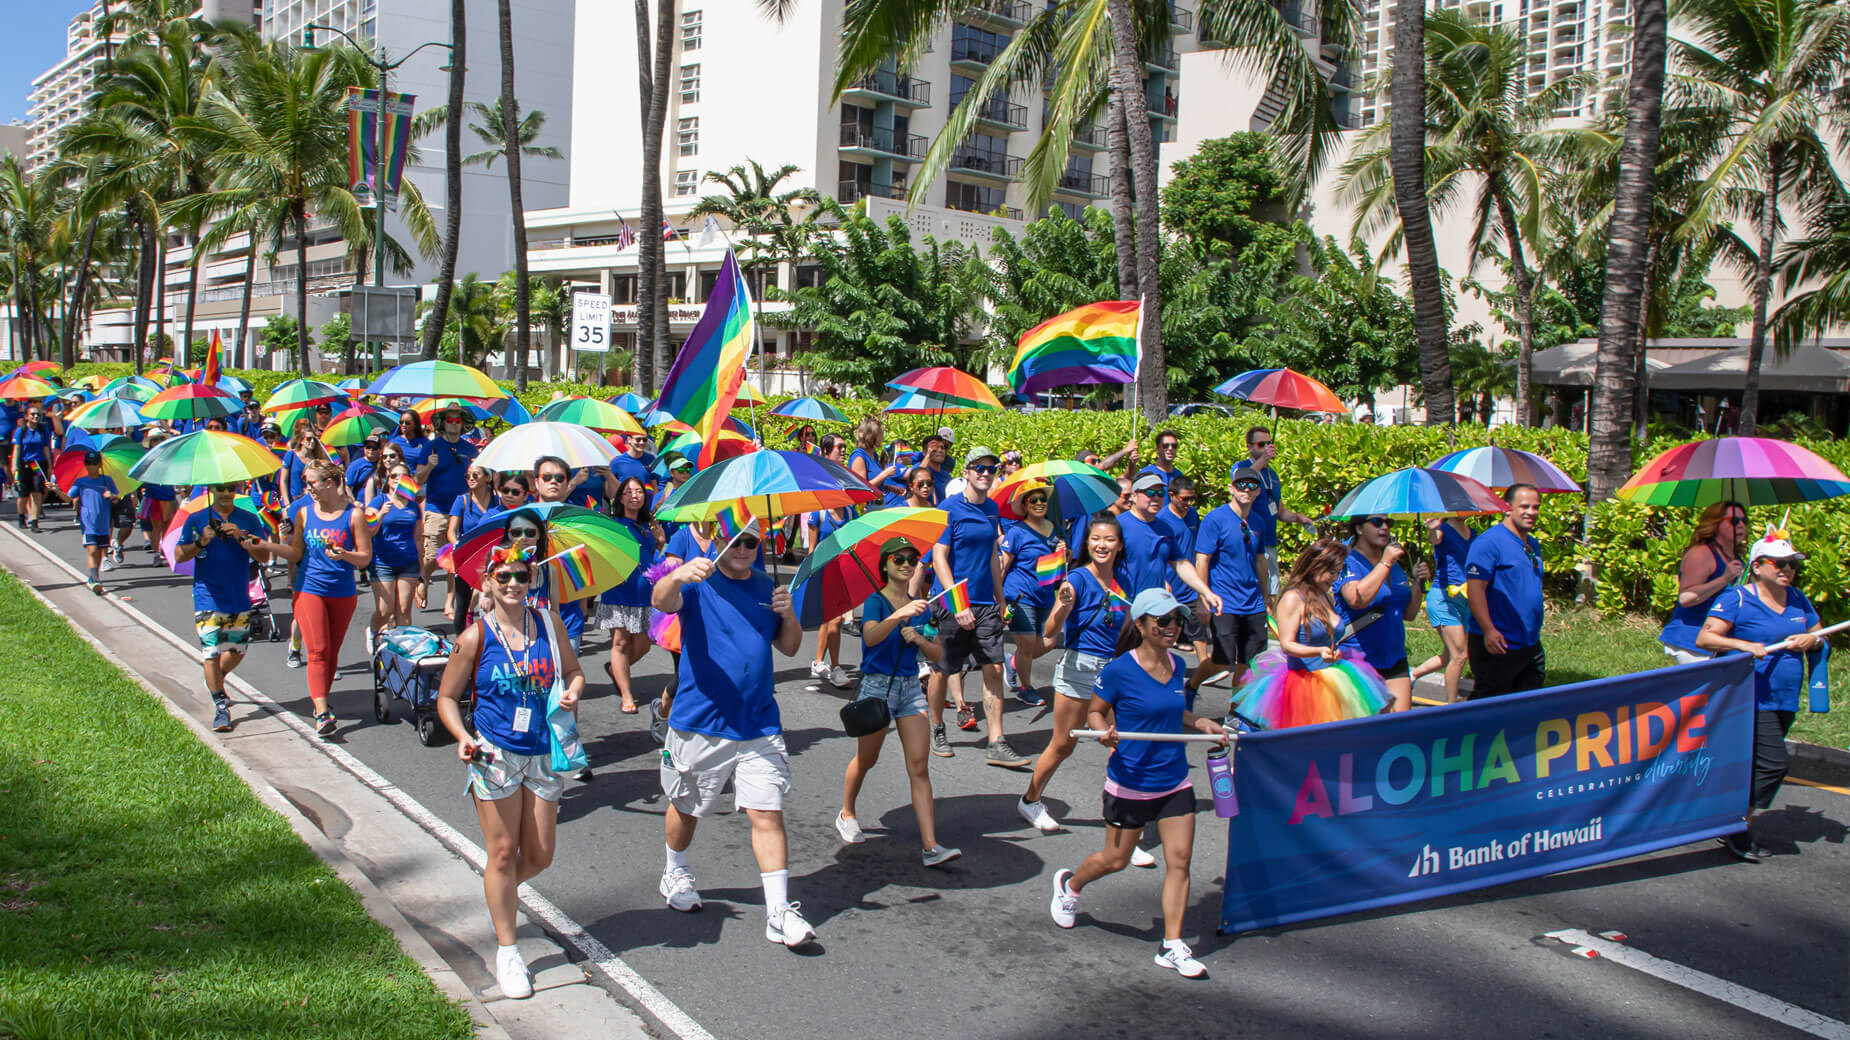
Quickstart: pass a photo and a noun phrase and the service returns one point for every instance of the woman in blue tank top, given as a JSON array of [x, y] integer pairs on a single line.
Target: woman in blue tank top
[[512, 656], [396, 519], [328, 541], [1710, 564], [1446, 608]]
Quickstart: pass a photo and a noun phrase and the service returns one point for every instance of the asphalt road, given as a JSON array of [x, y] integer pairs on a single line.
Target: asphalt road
[[970, 949]]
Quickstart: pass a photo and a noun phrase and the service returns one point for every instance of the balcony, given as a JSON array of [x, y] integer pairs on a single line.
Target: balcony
[[1343, 79], [891, 86], [880, 141], [1084, 184], [1092, 137], [1001, 212], [854, 191], [973, 55], [1163, 60], [1300, 17], [1003, 14], [1180, 20], [998, 112], [986, 165]]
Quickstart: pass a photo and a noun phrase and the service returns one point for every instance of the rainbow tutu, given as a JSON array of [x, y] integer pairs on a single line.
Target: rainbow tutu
[[1282, 691]]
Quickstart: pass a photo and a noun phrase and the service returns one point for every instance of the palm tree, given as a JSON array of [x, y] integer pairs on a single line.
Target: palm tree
[[475, 317], [492, 131], [452, 177], [1771, 64], [511, 145], [654, 52], [27, 214], [1407, 160], [779, 226], [1820, 263]]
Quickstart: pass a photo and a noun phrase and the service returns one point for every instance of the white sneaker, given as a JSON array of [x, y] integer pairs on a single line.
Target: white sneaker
[[938, 856], [788, 927], [678, 888], [511, 974], [658, 726], [838, 678], [849, 830], [1065, 904], [1037, 816], [1142, 858], [819, 670], [1178, 956]]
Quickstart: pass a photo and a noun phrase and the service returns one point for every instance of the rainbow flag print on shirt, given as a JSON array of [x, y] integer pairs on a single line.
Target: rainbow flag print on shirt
[[955, 599], [1049, 569]]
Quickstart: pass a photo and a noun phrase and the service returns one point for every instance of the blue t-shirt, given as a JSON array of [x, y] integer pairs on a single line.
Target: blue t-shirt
[[726, 681], [1232, 547], [9, 417], [158, 492], [357, 473], [670, 528], [466, 510], [624, 467], [397, 536], [682, 546], [1025, 546], [414, 451], [1193, 519], [506, 682], [222, 570], [322, 575], [1449, 557], [1513, 567], [892, 655], [1150, 553], [635, 590], [1141, 704], [1266, 507], [873, 467], [1184, 539], [92, 504], [1779, 676], [1384, 643], [451, 477], [971, 532], [1097, 618], [296, 472], [34, 442], [1680, 631]]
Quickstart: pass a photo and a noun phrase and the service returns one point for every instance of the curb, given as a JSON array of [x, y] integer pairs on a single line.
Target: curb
[[1819, 764]]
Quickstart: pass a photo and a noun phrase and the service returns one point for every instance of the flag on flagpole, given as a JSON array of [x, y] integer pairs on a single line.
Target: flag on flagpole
[[669, 234], [573, 564], [705, 378], [208, 375], [626, 235], [1097, 343], [710, 232], [363, 142]]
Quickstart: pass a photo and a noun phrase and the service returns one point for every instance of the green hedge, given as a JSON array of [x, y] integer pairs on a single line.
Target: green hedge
[[1633, 550]]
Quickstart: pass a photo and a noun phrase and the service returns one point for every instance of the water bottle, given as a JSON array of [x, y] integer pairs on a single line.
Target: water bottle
[[1220, 784]]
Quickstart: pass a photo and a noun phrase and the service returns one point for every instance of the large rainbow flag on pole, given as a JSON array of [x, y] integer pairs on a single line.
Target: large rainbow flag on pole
[[208, 375], [710, 368], [1097, 343], [363, 141]]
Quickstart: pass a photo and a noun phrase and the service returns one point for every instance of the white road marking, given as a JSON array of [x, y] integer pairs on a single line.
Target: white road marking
[[1740, 996], [666, 1011]]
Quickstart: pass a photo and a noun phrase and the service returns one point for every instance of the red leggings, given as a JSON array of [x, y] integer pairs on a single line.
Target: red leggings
[[324, 626]]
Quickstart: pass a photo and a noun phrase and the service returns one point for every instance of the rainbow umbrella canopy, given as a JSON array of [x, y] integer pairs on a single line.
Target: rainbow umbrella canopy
[[844, 569], [132, 388], [1283, 388], [1079, 490], [26, 387], [1498, 468], [358, 421], [586, 551], [920, 402], [689, 446], [1754, 471], [303, 393], [590, 413], [119, 457], [191, 401], [811, 409], [107, 413], [768, 485], [205, 457], [1096, 343], [1418, 493], [518, 448], [948, 383], [436, 379]]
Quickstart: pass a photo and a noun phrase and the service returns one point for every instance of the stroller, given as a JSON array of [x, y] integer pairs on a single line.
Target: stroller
[[263, 622], [408, 665]]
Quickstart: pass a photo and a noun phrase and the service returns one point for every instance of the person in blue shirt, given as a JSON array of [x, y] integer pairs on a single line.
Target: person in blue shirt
[[1270, 510], [1146, 782], [414, 444], [679, 470], [1711, 563], [1373, 580], [396, 519], [31, 464], [1229, 553], [445, 480], [623, 609], [95, 495], [1503, 583], [890, 647], [1168, 445], [1446, 605], [725, 723], [634, 462], [1024, 544], [1751, 619], [966, 554], [471, 508], [1178, 516], [1154, 553], [250, 421], [360, 470], [223, 542]]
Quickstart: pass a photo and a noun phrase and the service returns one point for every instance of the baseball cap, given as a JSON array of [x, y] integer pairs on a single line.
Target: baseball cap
[[950, 436], [1153, 603], [1149, 483], [893, 545], [978, 454], [371, 442], [92, 458], [680, 462]]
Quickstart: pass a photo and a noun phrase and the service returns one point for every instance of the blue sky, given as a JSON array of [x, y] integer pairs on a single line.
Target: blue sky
[[31, 41]]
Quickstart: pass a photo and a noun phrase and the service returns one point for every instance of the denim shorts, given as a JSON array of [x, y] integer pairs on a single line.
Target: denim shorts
[[1025, 618], [904, 695], [1443, 610], [1076, 674], [383, 573]]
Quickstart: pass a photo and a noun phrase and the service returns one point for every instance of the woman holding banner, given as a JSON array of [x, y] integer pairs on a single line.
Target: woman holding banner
[[1772, 620], [1318, 674], [1710, 564]]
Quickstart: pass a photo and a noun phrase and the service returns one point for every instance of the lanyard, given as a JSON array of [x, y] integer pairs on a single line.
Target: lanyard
[[523, 666]]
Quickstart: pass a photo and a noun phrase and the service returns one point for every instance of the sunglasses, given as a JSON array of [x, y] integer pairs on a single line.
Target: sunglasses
[[1785, 565], [749, 544], [1173, 619], [1034, 500], [1738, 521], [513, 491], [554, 478], [215, 487], [1379, 521], [904, 560], [983, 471], [531, 534], [512, 577]]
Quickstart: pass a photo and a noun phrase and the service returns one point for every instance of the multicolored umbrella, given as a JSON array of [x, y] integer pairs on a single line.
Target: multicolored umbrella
[[36, 368], [132, 388], [844, 569], [191, 401], [25, 387], [633, 403], [687, 446], [354, 385], [810, 408], [436, 379], [119, 457], [1282, 388], [1498, 468], [920, 402], [1079, 489], [1754, 471], [205, 457], [518, 448], [303, 393], [588, 552], [353, 424], [94, 382], [1417, 493], [590, 413], [768, 485], [949, 383], [107, 413], [74, 395]]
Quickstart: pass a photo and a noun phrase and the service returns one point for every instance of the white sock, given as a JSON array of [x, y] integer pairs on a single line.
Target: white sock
[[503, 949], [675, 859], [1170, 944], [776, 890]]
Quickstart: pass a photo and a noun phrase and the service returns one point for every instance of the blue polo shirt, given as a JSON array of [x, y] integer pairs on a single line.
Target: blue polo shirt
[[1142, 704], [1184, 539], [1512, 567], [1232, 546], [971, 532], [1778, 677], [1150, 553]]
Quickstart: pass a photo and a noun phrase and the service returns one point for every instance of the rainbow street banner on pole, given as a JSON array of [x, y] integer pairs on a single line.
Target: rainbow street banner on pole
[[1374, 812], [363, 141]]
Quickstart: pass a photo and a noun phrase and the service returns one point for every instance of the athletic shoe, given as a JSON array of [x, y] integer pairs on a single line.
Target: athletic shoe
[[1176, 955], [1142, 858], [294, 660], [819, 671], [585, 775], [1011, 680], [658, 725], [111, 561], [939, 745], [1037, 816], [966, 718], [35, 527], [1000, 754], [1743, 847], [96, 587], [938, 856], [788, 927], [849, 830], [1065, 904], [511, 973], [678, 888], [324, 723], [838, 678], [221, 714], [1032, 697]]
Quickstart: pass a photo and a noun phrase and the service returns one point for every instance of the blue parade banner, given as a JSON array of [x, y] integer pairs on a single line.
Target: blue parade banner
[[1374, 812]]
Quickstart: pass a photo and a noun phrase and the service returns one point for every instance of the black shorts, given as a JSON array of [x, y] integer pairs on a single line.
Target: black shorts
[[122, 512], [1134, 814], [30, 479], [1238, 638], [1493, 675], [966, 646], [1193, 631], [1397, 670]]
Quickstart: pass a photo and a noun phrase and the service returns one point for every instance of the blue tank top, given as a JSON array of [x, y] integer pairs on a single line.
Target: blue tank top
[[1685, 622], [826, 524], [322, 575], [1312, 631], [1096, 618], [505, 682]]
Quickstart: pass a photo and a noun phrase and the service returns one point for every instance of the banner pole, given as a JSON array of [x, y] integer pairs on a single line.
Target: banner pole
[[1161, 738], [1786, 644]]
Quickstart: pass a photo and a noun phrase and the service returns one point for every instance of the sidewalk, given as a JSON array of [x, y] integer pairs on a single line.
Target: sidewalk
[[407, 876]]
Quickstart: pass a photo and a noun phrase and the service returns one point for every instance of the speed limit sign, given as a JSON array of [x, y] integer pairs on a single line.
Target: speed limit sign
[[591, 322]]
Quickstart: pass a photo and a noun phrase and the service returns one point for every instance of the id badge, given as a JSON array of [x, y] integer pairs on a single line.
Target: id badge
[[523, 719]]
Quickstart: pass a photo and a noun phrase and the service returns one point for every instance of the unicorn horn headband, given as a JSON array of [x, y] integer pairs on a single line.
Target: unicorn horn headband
[[510, 554]]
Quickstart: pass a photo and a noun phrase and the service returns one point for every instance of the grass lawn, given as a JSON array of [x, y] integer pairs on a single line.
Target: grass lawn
[[145, 892], [1583, 645]]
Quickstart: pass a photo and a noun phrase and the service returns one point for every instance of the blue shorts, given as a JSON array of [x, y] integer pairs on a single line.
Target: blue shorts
[[1025, 618], [904, 694], [1443, 610], [383, 573], [96, 539]]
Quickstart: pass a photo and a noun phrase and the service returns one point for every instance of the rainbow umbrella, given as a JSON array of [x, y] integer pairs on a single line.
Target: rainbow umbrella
[[750, 395], [191, 401], [436, 379], [133, 388], [920, 402], [355, 423], [36, 368], [590, 413], [192, 507], [430, 407], [25, 387], [811, 409], [107, 413], [94, 383], [1754, 471], [1416, 493], [205, 457], [303, 393], [768, 485], [354, 385], [119, 457], [516, 449], [949, 383], [1498, 468], [1079, 489], [232, 384], [687, 445], [845, 567], [74, 395], [588, 552], [633, 403], [1282, 388]]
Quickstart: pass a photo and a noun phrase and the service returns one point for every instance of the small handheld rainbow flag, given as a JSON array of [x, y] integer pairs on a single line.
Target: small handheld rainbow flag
[[374, 517], [405, 488], [1115, 594], [446, 557], [955, 599], [1049, 569], [574, 563]]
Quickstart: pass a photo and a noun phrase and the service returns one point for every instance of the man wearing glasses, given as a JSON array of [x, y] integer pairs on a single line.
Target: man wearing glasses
[[1269, 511], [1168, 444], [1228, 553], [360, 470], [1155, 548], [221, 543], [553, 483], [1503, 582]]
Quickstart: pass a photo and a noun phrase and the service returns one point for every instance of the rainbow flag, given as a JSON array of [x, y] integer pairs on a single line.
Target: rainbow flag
[[1115, 594], [208, 375], [446, 557], [363, 142], [955, 599], [405, 488], [1097, 343], [707, 373], [1049, 569], [574, 565], [374, 517]]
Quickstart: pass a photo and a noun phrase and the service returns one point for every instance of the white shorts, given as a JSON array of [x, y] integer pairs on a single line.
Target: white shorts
[[509, 772], [1076, 674], [695, 768]]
